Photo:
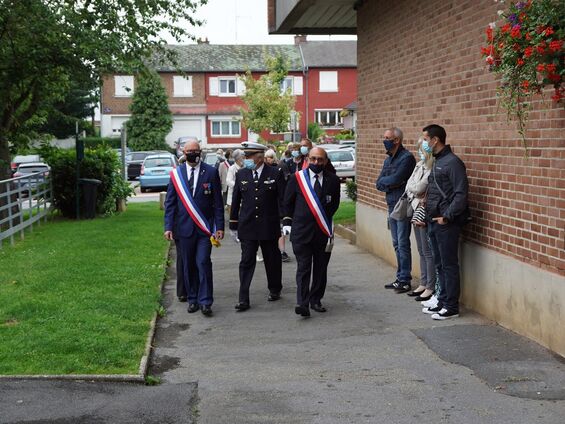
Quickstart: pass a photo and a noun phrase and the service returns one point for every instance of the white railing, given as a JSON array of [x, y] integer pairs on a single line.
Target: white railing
[[24, 201]]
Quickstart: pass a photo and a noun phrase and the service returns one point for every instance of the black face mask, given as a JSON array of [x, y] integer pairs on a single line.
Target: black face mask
[[316, 168], [193, 157]]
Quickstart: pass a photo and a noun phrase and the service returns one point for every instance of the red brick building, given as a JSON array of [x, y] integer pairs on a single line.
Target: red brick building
[[206, 102], [420, 63]]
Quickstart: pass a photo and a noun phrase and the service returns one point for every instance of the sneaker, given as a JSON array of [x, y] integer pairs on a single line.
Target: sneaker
[[445, 314], [259, 258], [391, 285], [435, 310], [400, 287], [285, 257], [432, 303]]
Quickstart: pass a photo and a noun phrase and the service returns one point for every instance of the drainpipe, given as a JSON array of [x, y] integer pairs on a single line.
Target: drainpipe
[[305, 73]]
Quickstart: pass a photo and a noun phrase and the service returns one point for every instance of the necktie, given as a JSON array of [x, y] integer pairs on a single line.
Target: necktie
[[255, 176], [317, 187], [191, 181]]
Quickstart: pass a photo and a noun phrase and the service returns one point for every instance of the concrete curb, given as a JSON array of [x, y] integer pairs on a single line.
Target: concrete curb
[[121, 378], [346, 233]]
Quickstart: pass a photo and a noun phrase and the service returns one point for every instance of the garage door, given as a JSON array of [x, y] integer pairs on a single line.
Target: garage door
[[117, 122], [185, 128]]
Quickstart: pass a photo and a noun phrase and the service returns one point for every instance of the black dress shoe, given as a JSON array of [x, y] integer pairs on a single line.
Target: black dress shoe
[[242, 306], [415, 293], [273, 297], [391, 285], [182, 298], [206, 310], [318, 307], [302, 310], [192, 308], [423, 298]]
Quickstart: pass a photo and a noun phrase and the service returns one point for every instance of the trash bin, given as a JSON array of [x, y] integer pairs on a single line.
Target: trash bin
[[89, 192]]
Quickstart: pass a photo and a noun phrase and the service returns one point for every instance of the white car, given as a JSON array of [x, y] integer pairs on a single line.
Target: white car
[[30, 184], [343, 161]]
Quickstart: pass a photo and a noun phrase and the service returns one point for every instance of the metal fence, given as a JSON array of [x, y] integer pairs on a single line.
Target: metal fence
[[24, 201]]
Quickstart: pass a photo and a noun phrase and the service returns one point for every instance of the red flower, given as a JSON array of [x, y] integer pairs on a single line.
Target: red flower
[[551, 68], [500, 46], [489, 34], [555, 45], [557, 96], [528, 36], [540, 67], [548, 31], [520, 62], [505, 28], [554, 77], [516, 47], [490, 60], [541, 47], [523, 16], [528, 51], [525, 85]]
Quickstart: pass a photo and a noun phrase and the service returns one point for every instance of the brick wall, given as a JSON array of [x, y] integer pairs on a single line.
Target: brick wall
[[420, 63]]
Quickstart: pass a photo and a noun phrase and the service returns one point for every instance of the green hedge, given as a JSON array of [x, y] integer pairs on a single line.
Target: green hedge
[[94, 142]]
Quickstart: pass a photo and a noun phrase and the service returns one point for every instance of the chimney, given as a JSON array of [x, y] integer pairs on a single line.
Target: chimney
[[203, 40], [299, 39]]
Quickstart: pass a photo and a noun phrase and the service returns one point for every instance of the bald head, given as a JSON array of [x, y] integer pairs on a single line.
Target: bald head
[[191, 146]]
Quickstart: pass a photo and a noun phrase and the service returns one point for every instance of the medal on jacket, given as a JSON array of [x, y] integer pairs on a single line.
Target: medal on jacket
[[190, 205]]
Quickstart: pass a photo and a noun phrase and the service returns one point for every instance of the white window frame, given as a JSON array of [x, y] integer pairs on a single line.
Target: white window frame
[[227, 94], [339, 119], [126, 85], [324, 77], [289, 129], [287, 83], [220, 120], [182, 86]]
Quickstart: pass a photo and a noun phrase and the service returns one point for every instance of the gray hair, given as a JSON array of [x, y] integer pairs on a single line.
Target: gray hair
[[270, 154], [397, 133], [237, 154]]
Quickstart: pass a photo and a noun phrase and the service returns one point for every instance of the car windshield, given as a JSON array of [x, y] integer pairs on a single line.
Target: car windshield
[[138, 156], [340, 156], [211, 158], [32, 169], [158, 162]]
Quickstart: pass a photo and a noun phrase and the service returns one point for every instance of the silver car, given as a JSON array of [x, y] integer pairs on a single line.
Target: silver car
[[343, 161]]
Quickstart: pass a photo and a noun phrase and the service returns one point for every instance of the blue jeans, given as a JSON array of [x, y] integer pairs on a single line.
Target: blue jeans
[[444, 241], [400, 231]]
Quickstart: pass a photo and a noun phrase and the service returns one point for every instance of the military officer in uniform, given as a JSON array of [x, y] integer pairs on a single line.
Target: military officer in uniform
[[256, 213], [311, 245]]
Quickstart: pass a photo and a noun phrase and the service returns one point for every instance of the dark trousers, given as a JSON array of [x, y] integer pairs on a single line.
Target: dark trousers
[[273, 266], [181, 290], [311, 260], [444, 241], [197, 268]]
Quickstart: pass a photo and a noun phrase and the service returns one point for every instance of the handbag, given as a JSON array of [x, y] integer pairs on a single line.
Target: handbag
[[419, 216], [403, 209]]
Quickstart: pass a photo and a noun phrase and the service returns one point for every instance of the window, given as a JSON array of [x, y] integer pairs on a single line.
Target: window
[[329, 118], [182, 86], [123, 85], [226, 128], [228, 86], [287, 84], [328, 81]]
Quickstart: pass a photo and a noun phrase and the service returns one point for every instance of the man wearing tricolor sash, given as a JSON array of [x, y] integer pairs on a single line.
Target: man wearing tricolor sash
[[194, 215], [311, 199]]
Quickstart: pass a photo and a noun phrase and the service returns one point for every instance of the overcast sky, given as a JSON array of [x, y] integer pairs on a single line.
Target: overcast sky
[[242, 22]]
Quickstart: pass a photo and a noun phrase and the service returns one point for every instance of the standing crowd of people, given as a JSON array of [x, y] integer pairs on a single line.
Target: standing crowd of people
[[268, 200]]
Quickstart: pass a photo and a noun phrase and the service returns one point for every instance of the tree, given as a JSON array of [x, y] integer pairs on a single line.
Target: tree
[[151, 120], [267, 108], [47, 44]]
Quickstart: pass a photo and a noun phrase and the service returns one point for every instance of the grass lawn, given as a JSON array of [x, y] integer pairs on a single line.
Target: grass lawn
[[345, 214], [77, 297]]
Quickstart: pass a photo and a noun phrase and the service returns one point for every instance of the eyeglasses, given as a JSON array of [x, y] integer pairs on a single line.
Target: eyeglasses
[[316, 159]]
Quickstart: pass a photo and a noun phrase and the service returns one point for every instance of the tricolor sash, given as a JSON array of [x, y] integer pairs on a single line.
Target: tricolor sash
[[325, 224], [188, 201]]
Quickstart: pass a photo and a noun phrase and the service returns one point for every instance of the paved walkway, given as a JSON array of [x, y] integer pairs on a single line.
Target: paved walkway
[[370, 359]]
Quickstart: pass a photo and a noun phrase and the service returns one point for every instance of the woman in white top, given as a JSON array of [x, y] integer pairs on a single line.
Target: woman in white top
[[416, 189], [238, 157]]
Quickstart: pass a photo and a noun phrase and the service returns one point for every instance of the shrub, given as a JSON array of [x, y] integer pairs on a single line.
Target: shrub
[[345, 135], [315, 131], [95, 142], [351, 189]]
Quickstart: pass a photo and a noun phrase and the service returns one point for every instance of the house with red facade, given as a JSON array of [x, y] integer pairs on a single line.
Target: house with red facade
[[206, 99], [420, 63]]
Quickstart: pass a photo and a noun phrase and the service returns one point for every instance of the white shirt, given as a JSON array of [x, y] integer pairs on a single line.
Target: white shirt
[[258, 170], [313, 180], [196, 173]]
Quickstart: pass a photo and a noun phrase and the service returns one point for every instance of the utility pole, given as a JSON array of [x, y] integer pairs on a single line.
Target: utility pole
[[79, 145], [123, 136]]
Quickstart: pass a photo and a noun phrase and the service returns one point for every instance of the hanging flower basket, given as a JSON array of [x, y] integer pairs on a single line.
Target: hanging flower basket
[[526, 48]]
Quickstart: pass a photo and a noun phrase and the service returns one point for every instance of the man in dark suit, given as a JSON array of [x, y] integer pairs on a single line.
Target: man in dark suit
[[256, 216], [202, 186], [310, 242]]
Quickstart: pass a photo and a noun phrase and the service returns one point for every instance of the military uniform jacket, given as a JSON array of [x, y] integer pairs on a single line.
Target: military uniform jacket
[[297, 212], [256, 209]]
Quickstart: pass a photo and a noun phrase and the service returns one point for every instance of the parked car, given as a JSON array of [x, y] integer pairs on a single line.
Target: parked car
[[134, 161], [28, 185], [19, 159], [343, 161], [179, 144], [210, 158], [155, 171]]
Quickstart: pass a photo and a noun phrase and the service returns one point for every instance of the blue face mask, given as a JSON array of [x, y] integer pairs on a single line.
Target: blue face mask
[[389, 144], [426, 146], [304, 150], [249, 164], [295, 153]]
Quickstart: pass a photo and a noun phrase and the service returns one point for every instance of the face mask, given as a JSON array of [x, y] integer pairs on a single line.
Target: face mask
[[426, 146], [295, 153], [316, 168], [249, 164], [304, 150], [422, 155], [389, 144], [193, 157]]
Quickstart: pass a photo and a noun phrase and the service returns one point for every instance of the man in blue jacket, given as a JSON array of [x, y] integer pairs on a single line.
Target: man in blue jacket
[[194, 215], [397, 168]]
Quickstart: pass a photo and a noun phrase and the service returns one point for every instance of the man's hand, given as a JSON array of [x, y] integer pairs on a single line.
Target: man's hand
[[286, 230], [219, 235], [169, 235], [440, 220]]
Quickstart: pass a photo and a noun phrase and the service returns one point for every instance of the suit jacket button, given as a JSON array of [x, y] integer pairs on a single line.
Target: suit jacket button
[[256, 189], [256, 216], [256, 207]]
